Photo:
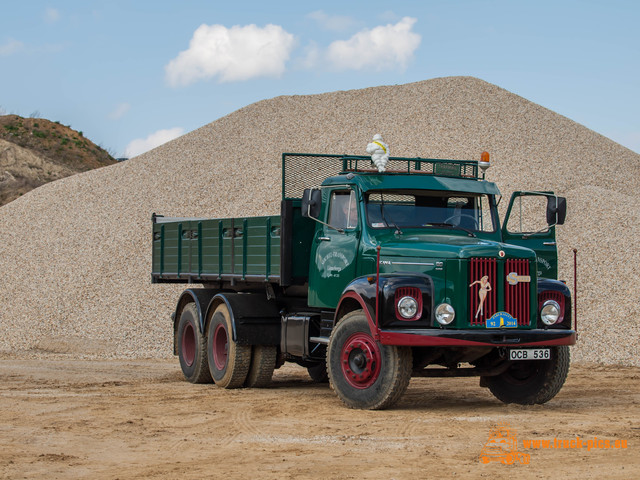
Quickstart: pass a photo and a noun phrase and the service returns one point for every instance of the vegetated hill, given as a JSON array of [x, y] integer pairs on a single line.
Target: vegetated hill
[[75, 255], [35, 151]]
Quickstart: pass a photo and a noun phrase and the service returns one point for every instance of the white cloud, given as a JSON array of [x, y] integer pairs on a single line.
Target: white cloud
[[232, 54], [51, 15], [332, 22], [382, 47], [120, 110], [141, 145], [10, 47]]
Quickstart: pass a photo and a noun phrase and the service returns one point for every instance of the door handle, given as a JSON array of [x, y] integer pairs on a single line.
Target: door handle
[[324, 239], [549, 243]]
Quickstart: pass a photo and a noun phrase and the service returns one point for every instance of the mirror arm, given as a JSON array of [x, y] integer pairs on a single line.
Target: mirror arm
[[339, 230]]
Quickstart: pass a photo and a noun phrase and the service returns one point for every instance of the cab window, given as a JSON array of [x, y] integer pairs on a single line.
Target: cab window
[[528, 215], [343, 210], [415, 209]]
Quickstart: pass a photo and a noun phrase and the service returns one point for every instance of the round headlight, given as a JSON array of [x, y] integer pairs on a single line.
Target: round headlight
[[550, 312], [445, 314], [407, 307]]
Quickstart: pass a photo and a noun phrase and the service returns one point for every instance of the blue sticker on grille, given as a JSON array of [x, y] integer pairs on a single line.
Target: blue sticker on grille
[[502, 320]]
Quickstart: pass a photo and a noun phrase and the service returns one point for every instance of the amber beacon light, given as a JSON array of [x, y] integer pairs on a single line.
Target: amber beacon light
[[484, 161]]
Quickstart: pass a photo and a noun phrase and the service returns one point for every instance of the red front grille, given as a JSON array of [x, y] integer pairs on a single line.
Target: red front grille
[[482, 291], [517, 288]]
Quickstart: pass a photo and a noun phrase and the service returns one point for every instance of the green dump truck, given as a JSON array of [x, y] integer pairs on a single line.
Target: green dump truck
[[368, 278]]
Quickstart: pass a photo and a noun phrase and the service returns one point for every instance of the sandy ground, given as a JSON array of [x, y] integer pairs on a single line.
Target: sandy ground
[[63, 418]]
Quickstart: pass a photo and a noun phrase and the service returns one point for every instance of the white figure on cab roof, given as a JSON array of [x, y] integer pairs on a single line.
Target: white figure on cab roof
[[379, 152]]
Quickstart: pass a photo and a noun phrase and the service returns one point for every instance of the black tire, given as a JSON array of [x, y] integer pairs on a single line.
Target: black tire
[[192, 347], [362, 372], [228, 361], [263, 363], [529, 382], [318, 372]]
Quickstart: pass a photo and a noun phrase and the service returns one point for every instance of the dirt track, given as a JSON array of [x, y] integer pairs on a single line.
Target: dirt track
[[139, 419]]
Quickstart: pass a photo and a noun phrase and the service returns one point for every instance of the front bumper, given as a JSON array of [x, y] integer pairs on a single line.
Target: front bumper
[[488, 338]]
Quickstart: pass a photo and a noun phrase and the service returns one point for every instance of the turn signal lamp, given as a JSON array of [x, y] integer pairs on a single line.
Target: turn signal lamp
[[484, 161]]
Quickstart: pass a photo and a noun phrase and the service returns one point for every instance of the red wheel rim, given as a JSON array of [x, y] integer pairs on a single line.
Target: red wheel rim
[[188, 344], [220, 347], [360, 360]]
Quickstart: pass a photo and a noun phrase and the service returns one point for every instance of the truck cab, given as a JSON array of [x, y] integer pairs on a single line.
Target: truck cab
[[443, 231], [423, 256]]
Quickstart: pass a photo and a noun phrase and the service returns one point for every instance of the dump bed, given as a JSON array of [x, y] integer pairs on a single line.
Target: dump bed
[[202, 250], [272, 249]]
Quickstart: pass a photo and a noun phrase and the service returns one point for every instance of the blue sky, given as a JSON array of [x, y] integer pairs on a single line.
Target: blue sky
[[132, 75]]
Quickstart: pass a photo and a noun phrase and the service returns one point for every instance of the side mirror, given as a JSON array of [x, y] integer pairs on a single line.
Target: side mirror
[[556, 210], [311, 202]]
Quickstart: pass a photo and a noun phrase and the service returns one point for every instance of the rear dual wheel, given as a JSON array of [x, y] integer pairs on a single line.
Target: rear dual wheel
[[263, 363], [229, 361], [192, 347], [217, 357]]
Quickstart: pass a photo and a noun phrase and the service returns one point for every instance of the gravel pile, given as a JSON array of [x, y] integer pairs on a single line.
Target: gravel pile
[[75, 255]]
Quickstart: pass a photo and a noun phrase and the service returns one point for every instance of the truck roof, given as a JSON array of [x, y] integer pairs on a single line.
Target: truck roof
[[393, 181], [309, 170]]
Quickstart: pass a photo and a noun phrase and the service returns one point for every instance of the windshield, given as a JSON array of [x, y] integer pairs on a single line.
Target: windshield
[[427, 208]]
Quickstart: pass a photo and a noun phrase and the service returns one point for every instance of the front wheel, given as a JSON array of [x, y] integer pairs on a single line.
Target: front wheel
[[364, 373], [529, 382]]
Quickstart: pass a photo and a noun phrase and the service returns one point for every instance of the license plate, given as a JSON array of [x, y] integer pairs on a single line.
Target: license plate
[[530, 354]]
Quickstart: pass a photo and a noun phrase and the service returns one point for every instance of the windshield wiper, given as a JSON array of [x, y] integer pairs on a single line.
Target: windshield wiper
[[450, 225], [383, 217]]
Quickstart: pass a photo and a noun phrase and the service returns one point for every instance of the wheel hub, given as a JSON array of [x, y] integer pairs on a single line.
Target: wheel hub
[[188, 344], [360, 359], [220, 347]]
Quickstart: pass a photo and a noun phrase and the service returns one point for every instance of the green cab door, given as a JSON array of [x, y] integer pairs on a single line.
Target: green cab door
[[530, 222], [334, 252]]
